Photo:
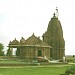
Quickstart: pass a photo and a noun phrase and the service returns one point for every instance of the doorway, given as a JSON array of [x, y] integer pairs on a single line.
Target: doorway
[[39, 52]]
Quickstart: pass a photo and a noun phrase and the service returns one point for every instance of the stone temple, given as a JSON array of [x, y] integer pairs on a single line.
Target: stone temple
[[54, 37], [52, 46]]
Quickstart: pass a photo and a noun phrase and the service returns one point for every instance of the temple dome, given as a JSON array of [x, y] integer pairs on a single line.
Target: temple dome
[[14, 42], [35, 41]]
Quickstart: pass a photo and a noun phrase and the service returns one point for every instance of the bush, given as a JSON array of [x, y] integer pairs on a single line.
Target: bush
[[71, 70]]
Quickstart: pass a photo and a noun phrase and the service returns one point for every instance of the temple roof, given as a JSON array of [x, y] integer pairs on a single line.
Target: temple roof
[[35, 41], [31, 41], [14, 42], [22, 41]]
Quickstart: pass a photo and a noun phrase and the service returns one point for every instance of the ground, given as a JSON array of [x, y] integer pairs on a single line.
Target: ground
[[51, 69], [32, 70]]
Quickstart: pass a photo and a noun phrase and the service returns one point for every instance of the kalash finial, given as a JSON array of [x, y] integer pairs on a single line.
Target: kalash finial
[[54, 15], [57, 13]]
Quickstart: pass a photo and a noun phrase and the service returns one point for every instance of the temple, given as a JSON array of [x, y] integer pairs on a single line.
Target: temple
[[54, 37], [31, 48], [52, 46]]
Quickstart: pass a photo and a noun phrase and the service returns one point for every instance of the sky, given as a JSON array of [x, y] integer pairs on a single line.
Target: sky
[[22, 18]]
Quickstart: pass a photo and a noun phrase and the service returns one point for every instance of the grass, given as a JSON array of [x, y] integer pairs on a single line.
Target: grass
[[11, 62], [33, 71]]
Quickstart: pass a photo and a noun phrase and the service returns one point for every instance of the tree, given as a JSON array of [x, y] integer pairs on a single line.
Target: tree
[[1, 49]]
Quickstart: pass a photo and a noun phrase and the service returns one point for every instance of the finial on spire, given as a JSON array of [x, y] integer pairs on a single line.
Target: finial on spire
[[54, 14], [57, 13]]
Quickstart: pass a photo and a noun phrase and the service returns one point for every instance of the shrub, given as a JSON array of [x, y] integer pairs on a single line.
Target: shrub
[[70, 70]]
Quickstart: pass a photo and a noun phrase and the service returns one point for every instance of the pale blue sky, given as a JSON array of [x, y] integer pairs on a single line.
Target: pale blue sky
[[20, 18]]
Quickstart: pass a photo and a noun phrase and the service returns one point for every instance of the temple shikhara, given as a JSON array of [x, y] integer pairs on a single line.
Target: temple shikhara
[[54, 38], [52, 46]]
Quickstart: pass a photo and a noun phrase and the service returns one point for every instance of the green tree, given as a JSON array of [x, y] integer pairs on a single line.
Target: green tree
[[1, 49]]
